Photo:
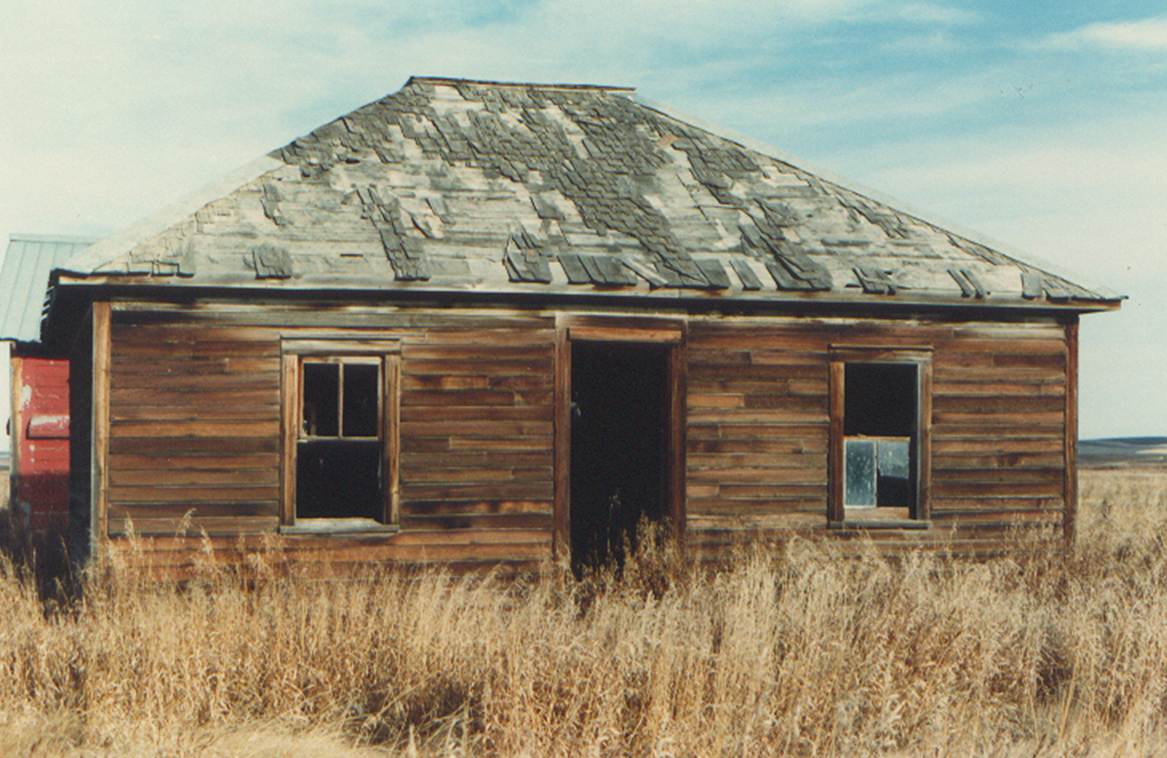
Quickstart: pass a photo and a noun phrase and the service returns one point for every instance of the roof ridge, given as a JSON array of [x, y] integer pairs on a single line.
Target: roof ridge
[[527, 85]]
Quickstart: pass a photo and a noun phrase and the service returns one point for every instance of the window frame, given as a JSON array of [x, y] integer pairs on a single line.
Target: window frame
[[921, 358], [295, 354]]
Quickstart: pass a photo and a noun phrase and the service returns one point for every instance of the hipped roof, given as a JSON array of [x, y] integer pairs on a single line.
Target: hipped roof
[[466, 186]]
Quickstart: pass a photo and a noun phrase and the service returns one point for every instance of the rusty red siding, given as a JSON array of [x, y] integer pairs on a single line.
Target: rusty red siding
[[41, 440]]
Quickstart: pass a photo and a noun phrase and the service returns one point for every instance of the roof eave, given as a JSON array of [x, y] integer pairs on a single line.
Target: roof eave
[[702, 299]]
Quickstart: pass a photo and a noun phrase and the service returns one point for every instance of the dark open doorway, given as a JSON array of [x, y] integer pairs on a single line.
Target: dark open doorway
[[619, 446]]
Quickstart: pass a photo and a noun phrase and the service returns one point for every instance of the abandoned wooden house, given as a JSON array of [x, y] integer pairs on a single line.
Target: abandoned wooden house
[[476, 322]]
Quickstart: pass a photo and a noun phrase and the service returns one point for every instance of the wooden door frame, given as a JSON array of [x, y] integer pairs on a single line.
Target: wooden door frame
[[667, 333]]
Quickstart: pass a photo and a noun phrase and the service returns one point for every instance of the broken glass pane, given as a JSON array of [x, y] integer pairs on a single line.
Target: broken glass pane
[[893, 458], [859, 473], [321, 399]]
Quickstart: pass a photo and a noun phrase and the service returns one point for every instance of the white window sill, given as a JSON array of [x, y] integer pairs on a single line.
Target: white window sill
[[339, 526]]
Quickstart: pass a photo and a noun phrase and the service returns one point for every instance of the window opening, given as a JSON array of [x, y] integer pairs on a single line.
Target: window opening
[[880, 458], [340, 448]]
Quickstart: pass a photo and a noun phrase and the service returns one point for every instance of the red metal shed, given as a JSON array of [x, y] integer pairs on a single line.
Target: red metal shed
[[39, 421]]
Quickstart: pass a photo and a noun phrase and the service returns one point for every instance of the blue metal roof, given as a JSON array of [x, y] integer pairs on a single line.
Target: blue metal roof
[[24, 280]]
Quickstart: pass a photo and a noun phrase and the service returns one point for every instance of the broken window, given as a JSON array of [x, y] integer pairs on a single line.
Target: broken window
[[878, 411], [879, 421], [340, 434]]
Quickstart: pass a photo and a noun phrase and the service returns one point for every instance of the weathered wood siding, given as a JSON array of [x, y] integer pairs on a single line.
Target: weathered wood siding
[[759, 427], [195, 432], [194, 405]]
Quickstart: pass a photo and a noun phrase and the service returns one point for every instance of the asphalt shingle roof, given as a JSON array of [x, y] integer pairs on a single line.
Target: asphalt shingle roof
[[455, 185]]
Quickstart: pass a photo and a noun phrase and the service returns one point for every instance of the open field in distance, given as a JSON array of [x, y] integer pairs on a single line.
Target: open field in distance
[[796, 651]]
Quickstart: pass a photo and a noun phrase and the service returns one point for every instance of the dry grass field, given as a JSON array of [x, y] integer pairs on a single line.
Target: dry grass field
[[798, 653]]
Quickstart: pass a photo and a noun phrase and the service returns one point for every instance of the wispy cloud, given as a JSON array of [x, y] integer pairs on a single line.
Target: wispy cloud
[[933, 14], [927, 43], [1147, 34]]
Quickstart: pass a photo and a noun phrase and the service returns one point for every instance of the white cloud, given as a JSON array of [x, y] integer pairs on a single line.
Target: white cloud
[[931, 42], [931, 13], [1148, 34]]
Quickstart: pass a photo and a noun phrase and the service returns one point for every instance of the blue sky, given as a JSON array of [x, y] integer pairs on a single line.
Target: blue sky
[[1041, 126]]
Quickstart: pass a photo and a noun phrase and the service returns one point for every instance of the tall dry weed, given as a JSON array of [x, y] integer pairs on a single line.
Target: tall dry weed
[[794, 650]]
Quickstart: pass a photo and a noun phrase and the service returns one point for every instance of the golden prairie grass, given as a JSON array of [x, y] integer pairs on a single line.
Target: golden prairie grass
[[795, 652]]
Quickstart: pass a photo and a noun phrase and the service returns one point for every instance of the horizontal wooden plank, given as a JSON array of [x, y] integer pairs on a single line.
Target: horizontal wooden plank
[[527, 521], [330, 549], [990, 442], [702, 372], [797, 445], [222, 526], [698, 460], [518, 444], [446, 367], [698, 527], [192, 494], [175, 476], [187, 398], [664, 335], [998, 389], [138, 510], [472, 414], [487, 355], [190, 367], [960, 373], [947, 488], [165, 460], [469, 490], [171, 428], [179, 445], [474, 459], [994, 427], [988, 502], [775, 491], [197, 382], [473, 428], [999, 515], [942, 463], [224, 412], [740, 416], [1008, 405], [483, 475], [1000, 475], [432, 382], [755, 475], [197, 349], [471, 506], [131, 330], [727, 508]]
